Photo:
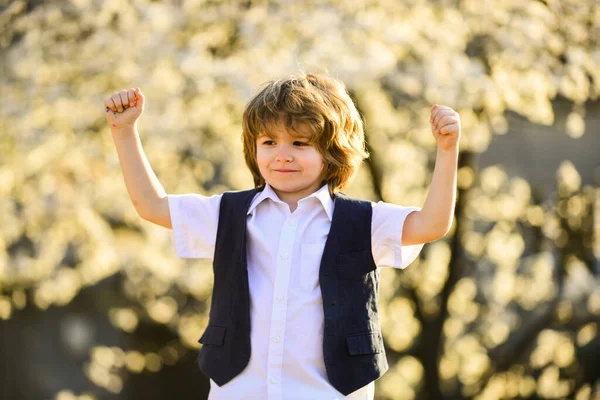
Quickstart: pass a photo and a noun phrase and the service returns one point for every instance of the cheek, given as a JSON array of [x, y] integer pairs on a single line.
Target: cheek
[[260, 157], [318, 161]]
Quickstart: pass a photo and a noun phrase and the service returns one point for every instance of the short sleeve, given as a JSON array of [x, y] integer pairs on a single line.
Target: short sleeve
[[194, 219], [386, 236]]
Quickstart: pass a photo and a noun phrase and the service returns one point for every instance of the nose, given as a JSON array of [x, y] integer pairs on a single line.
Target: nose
[[283, 156]]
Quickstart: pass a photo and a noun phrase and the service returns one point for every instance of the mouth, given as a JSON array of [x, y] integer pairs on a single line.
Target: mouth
[[285, 171]]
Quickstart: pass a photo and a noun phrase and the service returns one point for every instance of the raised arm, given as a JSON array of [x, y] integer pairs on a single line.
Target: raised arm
[[123, 109], [434, 220]]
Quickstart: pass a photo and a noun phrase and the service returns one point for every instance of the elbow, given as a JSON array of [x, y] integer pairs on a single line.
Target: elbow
[[157, 212], [140, 211], [432, 237], [138, 207], [144, 212], [424, 230], [438, 232]]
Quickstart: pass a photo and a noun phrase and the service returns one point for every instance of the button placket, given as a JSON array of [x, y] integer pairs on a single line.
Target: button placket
[[279, 310]]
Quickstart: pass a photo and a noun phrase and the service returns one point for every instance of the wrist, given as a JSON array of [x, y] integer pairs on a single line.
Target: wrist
[[449, 150], [124, 130]]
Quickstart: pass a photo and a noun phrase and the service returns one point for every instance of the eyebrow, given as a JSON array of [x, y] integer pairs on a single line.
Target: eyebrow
[[297, 135], [295, 138]]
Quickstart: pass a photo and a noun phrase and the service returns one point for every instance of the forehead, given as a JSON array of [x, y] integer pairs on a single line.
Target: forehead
[[279, 129]]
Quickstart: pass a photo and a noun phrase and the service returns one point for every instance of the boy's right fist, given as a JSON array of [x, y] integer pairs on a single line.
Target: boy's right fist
[[124, 108]]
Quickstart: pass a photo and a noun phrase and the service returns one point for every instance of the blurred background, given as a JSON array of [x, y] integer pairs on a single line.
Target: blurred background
[[95, 303]]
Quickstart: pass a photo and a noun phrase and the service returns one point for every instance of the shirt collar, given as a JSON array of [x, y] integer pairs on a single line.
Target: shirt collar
[[322, 194]]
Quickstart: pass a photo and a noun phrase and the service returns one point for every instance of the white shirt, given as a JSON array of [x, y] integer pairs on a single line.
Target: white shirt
[[284, 252]]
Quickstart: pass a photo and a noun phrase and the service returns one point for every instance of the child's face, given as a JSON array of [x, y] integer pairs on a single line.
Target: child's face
[[291, 165]]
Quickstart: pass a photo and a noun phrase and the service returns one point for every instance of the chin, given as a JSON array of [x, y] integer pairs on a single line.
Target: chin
[[283, 187]]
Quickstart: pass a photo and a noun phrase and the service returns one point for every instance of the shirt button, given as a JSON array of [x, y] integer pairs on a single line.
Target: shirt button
[[276, 339], [284, 256], [273, 380], [280, 298], [291, 222]]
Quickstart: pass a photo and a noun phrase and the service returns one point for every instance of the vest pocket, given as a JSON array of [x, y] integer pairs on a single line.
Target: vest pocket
[[354, 265], [365, 343], [214, 335]]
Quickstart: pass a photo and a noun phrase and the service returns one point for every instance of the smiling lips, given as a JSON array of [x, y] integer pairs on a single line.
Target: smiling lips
[[285, 170]]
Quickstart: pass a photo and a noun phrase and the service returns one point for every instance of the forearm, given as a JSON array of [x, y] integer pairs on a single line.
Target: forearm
[[438, 209], [141, 182]]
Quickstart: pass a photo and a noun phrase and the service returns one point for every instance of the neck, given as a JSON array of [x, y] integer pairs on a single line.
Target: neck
[[292, 198]]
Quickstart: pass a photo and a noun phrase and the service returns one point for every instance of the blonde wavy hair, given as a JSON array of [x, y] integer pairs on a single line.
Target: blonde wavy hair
[[322, 105]]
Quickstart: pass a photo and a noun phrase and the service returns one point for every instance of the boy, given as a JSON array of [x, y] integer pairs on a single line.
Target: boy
[[296, 278]]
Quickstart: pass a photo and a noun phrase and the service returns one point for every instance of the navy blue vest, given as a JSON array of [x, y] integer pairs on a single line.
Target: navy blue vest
[[353, 348]]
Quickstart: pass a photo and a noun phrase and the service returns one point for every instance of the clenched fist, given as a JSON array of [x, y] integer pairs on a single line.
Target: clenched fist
[[445, 125], [124, 108]]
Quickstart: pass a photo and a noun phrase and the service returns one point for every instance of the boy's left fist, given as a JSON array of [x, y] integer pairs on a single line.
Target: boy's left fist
[[445, 125]]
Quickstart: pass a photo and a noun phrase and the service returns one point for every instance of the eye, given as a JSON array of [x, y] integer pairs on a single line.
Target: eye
[[298, 143], [268, 142]]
